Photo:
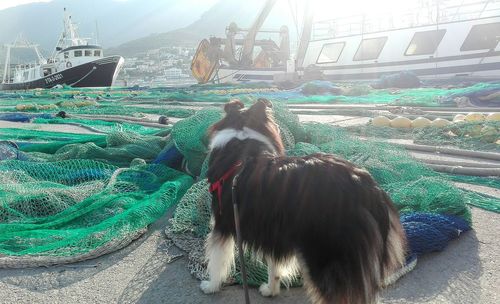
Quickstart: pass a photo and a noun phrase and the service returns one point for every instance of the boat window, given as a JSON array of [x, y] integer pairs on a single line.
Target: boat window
[[425, 43], [97, 53], [88, 53], [482, 37], [330, 52], [370, 49], [78, 53], [66, 55]]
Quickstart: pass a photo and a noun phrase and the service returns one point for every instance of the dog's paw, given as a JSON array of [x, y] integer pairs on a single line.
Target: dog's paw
[[209, 287], [267, 291]]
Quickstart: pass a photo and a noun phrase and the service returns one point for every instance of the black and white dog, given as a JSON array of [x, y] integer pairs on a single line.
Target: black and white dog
[[318, 212]]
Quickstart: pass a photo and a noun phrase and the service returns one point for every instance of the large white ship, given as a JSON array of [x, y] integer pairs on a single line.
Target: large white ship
[[442, 39]]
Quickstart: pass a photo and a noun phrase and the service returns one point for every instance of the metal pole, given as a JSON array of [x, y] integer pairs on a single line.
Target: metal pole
[[305, 36], [7, 63]]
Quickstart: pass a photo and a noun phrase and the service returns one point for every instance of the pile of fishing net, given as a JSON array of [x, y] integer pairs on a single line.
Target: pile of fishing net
[[433, 211], [83, 199], [483, 136], [471, 135], [127, 101], [64, 201], [68, 197]]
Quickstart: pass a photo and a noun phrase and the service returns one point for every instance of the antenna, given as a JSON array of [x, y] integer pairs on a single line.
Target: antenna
[[96, 33]]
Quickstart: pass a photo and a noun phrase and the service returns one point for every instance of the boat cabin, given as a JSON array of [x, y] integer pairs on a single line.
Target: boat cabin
[[76, 55]]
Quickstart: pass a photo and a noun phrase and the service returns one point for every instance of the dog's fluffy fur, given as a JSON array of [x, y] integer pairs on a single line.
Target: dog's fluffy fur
[[319, 210]]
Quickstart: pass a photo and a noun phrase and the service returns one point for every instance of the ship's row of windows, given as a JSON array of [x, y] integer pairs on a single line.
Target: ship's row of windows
[[480, 37], [86, 53]]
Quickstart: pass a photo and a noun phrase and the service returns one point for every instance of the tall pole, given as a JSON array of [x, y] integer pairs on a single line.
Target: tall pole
[[7, 64], [305, 36], [96, 33]]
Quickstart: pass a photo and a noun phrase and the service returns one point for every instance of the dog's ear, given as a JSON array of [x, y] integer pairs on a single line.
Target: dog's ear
[[266, 102], [260, 107], [233, 106]]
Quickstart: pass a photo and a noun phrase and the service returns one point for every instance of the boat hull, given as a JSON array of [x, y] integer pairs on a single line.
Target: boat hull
[[231, 75], [97, 73], [459, 69]]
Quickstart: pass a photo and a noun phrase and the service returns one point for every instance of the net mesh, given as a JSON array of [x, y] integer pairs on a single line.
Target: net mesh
[[133, 101], [482, 135], [73, 207], [82, 200], [67, 195]]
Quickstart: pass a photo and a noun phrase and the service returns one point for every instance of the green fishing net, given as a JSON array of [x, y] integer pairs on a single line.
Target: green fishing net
[[190, 137], [73, 207], [116, 148], [483, 135], [127, 101], [97, 125], [78, 193], [68, 202]]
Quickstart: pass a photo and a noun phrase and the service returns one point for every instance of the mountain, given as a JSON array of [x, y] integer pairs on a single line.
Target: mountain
[[211, 23], [128, 27], [117, 21]]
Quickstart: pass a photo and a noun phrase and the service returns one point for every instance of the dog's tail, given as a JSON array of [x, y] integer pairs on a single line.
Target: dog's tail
[[359, 257]]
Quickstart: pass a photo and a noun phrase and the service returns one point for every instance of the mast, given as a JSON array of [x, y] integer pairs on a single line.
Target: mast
[[97, 33], [305, 36], [6, 69], [69, 36], [69, 33]]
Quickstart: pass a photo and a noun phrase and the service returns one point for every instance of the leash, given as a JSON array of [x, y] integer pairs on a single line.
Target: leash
[[238, 236]]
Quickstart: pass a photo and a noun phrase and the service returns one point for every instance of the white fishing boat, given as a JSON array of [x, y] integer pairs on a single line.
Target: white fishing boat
[[445, 39], [74, 63]]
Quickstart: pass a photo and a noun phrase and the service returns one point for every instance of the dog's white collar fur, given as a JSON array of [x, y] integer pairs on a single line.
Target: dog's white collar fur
[[222, 137]]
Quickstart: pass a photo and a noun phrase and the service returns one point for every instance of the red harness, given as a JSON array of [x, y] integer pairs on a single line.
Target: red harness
[[217, 185]]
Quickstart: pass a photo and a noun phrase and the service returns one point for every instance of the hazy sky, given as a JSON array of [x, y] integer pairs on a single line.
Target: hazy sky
[[10, 3], [326, 5]]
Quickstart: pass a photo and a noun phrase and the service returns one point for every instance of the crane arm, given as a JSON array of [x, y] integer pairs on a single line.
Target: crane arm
[[249, 42]]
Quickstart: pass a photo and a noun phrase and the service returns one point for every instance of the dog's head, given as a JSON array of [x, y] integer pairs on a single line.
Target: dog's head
[[242, 123]]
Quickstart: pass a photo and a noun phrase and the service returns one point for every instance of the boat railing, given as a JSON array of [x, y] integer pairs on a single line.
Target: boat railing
[[434, 12]]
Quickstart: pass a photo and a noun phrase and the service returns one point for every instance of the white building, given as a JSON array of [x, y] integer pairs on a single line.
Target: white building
[[173, 73]]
